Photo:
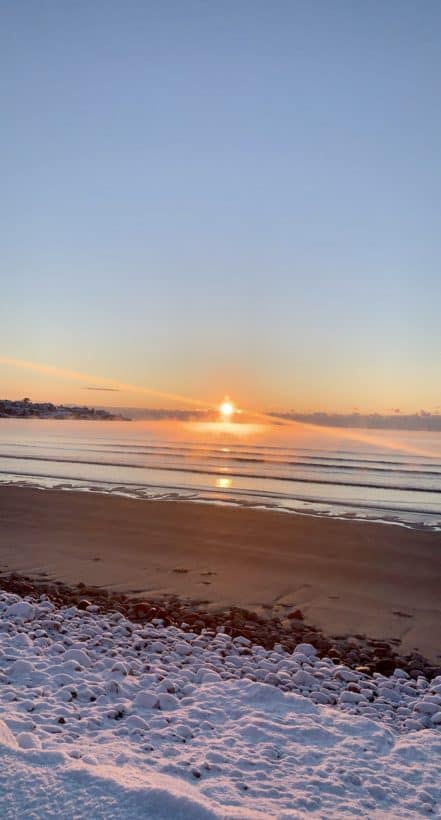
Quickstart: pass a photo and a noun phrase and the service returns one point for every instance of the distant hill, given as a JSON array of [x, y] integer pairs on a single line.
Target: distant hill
[[371, 421], [25, 408]]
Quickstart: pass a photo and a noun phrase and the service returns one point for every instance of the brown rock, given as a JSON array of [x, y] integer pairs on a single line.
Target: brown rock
[[144, 610], [297, 615], [385, 666]]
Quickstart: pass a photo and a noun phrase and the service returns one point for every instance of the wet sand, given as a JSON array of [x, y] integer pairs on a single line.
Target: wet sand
[[347, 577]]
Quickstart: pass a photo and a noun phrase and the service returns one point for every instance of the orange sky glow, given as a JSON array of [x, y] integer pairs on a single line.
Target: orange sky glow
[[46, 382]]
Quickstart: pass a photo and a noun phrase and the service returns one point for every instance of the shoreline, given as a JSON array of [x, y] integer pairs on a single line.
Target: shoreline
[[173, 496], [202, 562]]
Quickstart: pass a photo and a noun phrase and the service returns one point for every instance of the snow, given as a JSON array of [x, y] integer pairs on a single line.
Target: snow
[[103, 718], [20, 611]]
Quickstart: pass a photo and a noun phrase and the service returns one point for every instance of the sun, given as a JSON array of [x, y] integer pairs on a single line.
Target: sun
[[226, 409]]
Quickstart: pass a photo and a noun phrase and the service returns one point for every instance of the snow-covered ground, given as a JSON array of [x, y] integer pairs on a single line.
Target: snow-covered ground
[[103, 718]]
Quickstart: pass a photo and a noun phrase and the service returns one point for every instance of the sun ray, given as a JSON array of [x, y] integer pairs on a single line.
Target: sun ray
[[354, 435]]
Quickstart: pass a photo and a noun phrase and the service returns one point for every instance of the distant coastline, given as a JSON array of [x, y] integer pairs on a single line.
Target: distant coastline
[[420, 421], [25, 408], [424, 420]]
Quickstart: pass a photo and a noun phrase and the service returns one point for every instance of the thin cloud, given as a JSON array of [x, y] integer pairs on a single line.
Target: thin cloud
[[104, 389]]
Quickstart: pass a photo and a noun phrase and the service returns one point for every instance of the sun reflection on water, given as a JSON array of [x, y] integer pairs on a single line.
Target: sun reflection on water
[[230, 428], [224, 483]]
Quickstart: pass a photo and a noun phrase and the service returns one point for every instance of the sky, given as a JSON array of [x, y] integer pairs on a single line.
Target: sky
[[235, 198]]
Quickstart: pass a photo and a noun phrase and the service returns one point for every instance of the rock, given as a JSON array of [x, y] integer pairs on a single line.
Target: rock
[[20, 669], [415, 673], [78, 656], [167, 702], [322, 698], [272, 679], [426, 708], [241, 641], [303, 678], [345, 674], [413, 725], [184, 731], [351, 697], [146, 700], [296, 615], [21, 611], [83, 604], [159, 646], [183, 648], [382, 651], [306, 649], [208, 676], [386, 666], [400, 673], [142, 609], [26, 740], [390, 695]]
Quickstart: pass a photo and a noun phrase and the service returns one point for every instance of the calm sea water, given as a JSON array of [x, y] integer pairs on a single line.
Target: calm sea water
[[381, 475]]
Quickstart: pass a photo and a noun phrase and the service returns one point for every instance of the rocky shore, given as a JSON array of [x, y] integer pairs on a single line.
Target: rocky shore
[[202, 562], [155, 720], [359, 652]]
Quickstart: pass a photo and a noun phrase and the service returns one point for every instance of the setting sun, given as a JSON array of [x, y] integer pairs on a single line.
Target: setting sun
[[226, 408]]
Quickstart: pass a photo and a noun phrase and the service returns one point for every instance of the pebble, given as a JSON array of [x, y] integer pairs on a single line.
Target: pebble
[[351, 697], [146, 700], [20, 611], [303, 678], [26, 740]]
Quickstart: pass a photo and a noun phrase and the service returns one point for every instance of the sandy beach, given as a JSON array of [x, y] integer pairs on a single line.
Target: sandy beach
[[347, 577]]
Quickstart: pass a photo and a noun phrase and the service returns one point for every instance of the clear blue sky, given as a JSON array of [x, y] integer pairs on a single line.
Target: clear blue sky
[[237, 197]]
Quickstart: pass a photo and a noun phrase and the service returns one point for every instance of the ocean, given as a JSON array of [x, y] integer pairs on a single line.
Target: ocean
[[381, 475]]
